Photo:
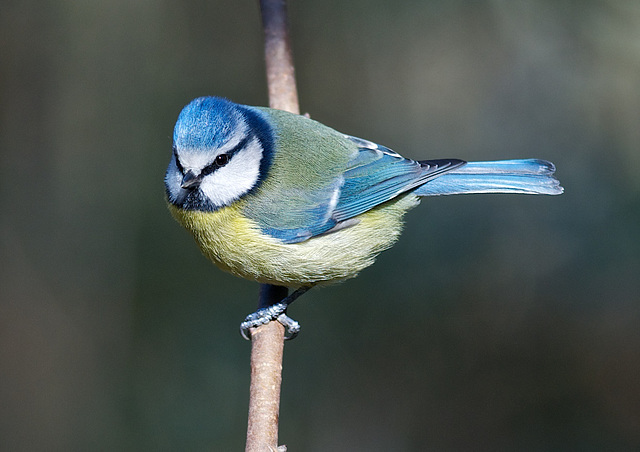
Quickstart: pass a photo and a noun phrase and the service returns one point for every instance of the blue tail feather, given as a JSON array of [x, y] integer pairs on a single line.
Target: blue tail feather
[[529, 176]]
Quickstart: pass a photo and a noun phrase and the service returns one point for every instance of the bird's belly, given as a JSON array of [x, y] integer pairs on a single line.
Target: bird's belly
[[237, 245]]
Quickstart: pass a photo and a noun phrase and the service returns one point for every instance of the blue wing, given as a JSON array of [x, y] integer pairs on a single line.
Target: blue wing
[[374, 175], [377, 174]]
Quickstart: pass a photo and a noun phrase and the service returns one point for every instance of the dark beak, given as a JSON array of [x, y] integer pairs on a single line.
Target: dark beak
[[190, 180]]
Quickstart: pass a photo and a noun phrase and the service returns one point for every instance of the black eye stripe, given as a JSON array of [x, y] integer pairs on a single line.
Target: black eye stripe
[[222, 159]]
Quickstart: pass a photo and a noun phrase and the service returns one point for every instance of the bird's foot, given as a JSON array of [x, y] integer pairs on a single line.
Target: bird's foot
[[266, 315], [276, 311]]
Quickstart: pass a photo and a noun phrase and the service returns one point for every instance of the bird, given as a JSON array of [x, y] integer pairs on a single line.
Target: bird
[[282, 199]]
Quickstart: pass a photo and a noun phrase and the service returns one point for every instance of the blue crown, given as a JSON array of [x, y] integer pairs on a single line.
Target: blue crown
[[205, 123]]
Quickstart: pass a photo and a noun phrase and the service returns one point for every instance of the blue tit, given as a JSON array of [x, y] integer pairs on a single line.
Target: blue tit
[[282, 199]]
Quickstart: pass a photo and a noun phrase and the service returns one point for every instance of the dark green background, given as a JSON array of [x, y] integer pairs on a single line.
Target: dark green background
[[497, 322]]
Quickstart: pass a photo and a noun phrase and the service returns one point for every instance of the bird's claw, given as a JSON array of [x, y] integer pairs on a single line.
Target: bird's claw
[[291, 327]]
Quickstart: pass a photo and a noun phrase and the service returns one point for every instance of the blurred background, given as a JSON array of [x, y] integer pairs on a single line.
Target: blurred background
[[497, 322]]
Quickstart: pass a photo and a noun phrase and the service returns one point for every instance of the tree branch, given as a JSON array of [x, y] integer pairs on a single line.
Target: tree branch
[[267, 341]]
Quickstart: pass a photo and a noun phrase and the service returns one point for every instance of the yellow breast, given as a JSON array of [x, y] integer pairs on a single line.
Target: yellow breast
[[237, 245]]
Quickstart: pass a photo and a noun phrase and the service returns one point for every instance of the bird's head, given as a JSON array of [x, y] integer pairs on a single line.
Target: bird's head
[[221, 151]]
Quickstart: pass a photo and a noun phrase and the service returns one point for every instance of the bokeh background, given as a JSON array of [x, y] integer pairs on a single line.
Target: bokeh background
[[497, 322]]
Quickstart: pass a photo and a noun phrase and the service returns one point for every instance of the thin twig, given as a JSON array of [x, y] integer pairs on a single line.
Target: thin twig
[[267, 346], [267, 341], [281, 80]]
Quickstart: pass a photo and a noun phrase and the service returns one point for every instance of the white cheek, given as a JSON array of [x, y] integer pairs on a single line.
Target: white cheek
[[233, 180]]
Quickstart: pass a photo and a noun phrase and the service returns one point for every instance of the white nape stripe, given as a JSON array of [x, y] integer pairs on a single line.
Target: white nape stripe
[[196, 159], [239, 134]]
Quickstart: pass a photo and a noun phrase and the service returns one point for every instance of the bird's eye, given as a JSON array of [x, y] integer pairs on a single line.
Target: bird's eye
[[222, 160]]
